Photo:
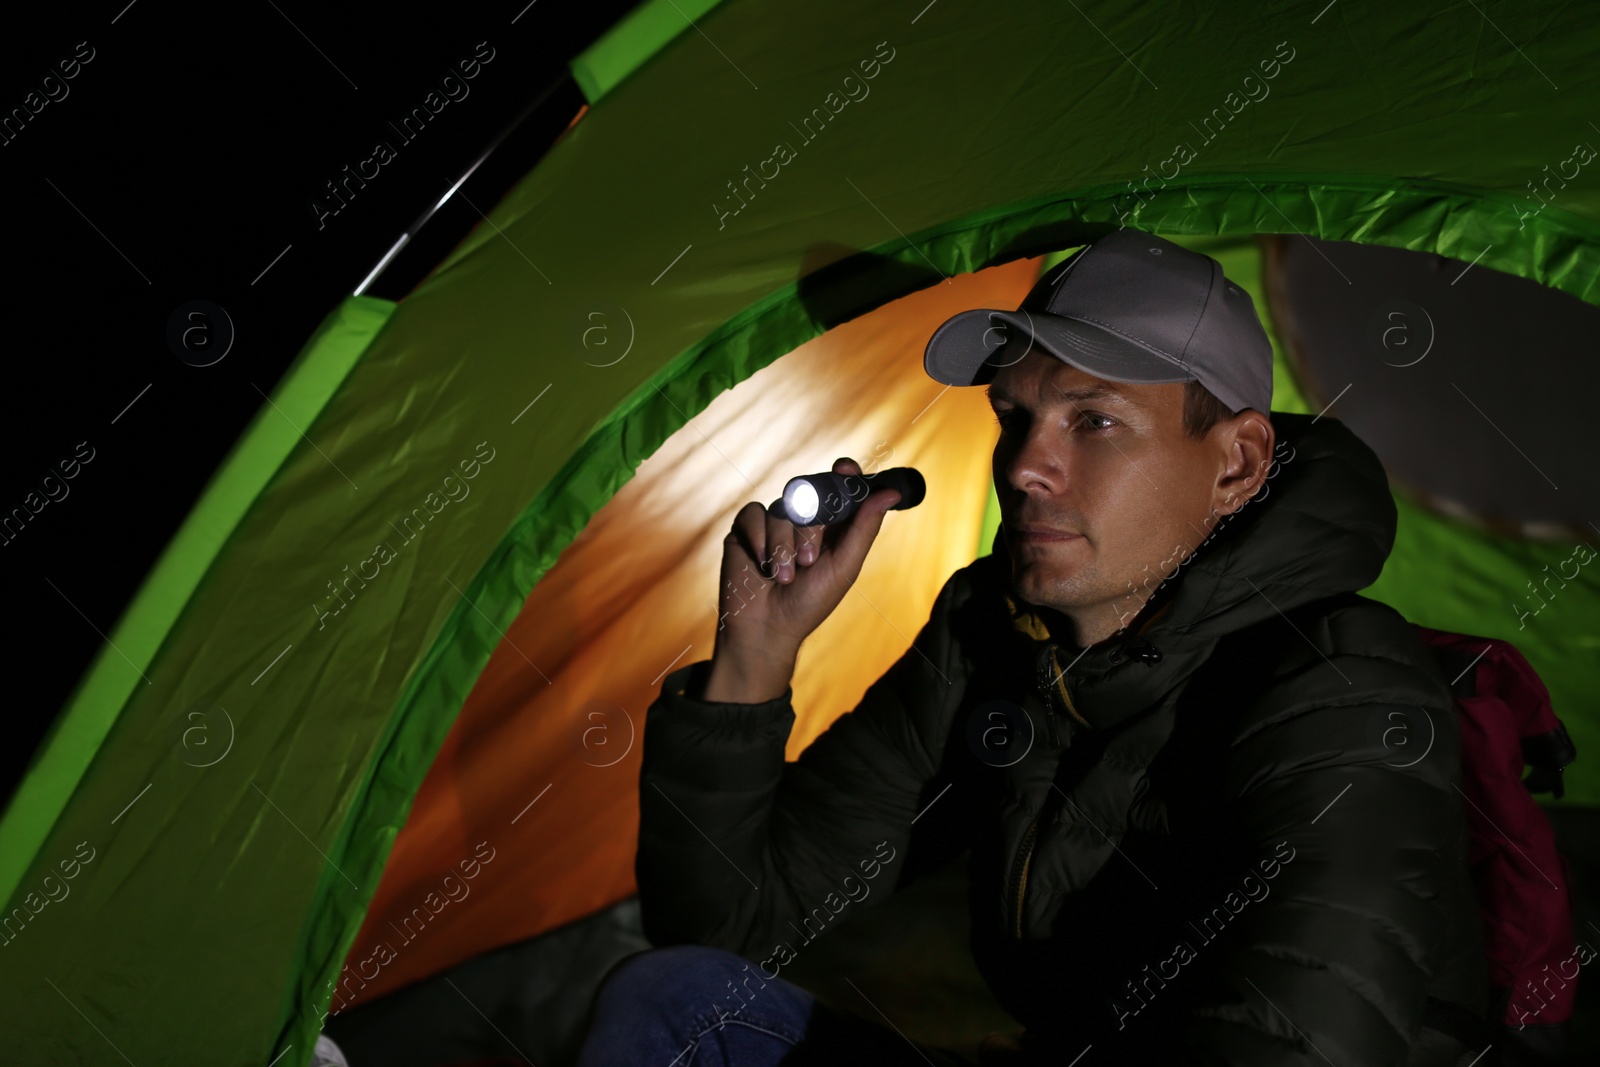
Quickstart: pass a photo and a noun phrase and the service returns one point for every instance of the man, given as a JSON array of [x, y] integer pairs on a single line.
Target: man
[[1158, 715]]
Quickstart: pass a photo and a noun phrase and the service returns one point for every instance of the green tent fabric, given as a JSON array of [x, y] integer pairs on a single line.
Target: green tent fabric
[[631, 42], [785, 168], [76, 735]]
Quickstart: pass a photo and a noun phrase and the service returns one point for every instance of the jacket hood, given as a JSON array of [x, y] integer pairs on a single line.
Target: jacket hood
[[1323, 524]]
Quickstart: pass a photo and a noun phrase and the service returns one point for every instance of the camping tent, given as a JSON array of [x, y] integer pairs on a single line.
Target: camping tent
[[394, 658]]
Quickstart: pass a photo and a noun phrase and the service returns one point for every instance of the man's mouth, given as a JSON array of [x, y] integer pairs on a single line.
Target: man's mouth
[[1042, 534]]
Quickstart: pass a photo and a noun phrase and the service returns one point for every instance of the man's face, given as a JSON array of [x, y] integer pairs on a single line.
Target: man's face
[[1108, 468]]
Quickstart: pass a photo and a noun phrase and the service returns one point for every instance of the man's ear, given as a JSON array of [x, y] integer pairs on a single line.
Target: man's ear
[[1247, 440]]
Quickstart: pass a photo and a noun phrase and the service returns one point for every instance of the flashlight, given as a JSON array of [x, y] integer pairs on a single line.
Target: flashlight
[[824, 499]]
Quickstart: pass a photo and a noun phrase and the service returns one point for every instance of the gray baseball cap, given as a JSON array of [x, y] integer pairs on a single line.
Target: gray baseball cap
[[1129, 307]]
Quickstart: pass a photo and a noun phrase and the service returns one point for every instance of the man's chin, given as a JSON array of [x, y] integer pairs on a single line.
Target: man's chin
[[1035, 584], [1053, 584]]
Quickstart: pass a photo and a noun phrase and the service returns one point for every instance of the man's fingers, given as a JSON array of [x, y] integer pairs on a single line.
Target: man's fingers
[[750, 530], [856, 485], [855, 537], [780, 547], [862, 529], [808, 544]]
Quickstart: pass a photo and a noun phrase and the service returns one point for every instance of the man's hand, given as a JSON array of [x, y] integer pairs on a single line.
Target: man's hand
[[779, 584]]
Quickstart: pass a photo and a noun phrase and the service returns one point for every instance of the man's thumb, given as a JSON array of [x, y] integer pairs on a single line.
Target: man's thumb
[[864, 525]]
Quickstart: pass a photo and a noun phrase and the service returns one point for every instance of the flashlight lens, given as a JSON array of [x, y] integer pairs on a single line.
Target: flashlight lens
[[801, 499]]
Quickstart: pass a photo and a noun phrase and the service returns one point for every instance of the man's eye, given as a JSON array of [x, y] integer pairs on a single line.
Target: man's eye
[[1006, 419], [1097, 422]]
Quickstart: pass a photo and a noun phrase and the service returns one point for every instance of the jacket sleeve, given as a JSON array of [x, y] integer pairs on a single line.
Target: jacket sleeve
[[740, 850], [1369, 895]]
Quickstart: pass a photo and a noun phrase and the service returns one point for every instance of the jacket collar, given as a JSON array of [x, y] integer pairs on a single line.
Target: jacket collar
[[1323, 524]]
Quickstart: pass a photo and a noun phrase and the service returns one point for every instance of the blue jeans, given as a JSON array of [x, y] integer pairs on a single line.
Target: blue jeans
[[695, 1006]]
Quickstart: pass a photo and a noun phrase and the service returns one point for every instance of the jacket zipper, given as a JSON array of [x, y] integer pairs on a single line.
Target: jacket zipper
[[1045, 682], [1019, 869], [1019, 873]]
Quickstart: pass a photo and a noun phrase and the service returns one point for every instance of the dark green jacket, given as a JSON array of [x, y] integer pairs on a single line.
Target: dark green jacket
[[1214, 841]]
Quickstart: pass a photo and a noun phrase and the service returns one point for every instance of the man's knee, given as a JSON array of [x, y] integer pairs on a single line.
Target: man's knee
[[670, 978]]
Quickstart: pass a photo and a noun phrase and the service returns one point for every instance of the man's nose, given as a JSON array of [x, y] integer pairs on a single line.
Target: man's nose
[[1034, 464]]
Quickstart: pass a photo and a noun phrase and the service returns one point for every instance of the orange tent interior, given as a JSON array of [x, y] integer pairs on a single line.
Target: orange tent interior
[[535, 790]]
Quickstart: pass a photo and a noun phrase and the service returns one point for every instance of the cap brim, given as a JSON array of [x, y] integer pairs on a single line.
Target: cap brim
[[971, 346]]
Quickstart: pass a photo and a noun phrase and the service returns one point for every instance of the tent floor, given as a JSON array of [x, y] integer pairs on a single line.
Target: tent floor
[[909, 954]]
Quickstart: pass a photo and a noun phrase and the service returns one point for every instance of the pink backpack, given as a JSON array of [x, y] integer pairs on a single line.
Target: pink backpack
[[1523, 883]]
